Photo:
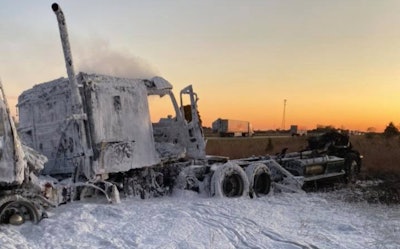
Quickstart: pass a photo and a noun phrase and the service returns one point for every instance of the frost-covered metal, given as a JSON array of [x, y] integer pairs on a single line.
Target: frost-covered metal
[[20, 198], [12, 159], [62, 25], [118, 124]]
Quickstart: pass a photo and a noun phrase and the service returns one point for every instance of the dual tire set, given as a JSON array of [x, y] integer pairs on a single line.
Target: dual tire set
[[231, 180]]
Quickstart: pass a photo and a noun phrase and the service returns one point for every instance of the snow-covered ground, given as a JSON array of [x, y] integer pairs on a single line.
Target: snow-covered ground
[[186, 220]]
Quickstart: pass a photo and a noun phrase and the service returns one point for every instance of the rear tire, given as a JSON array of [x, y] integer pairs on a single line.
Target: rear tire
[[259, 179], [229, 180]]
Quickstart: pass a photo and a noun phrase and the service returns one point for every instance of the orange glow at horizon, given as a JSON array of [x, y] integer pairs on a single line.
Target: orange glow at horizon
[[336, 62]]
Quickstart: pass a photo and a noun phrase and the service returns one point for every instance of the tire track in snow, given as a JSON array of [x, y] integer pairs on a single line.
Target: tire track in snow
[[222, 221]]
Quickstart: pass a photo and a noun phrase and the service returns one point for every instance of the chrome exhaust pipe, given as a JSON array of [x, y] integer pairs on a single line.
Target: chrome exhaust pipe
[[62, 25]]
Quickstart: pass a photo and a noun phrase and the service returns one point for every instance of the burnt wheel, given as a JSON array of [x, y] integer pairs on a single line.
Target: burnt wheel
[[229, 180], [232, 185], [259, 179], [16, 210]]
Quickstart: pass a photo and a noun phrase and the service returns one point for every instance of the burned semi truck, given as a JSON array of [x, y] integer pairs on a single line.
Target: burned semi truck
[[96, 130], [97, 135]]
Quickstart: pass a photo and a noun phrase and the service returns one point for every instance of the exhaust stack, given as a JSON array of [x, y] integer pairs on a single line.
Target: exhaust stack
[[62, 25], [81, 162]]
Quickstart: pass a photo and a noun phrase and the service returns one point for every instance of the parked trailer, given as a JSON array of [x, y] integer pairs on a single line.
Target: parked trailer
[[232, 128], [296, 131], [97, 134]]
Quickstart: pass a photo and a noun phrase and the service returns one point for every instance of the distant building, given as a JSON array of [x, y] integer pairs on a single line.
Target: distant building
[[295, 131], [232, 128]]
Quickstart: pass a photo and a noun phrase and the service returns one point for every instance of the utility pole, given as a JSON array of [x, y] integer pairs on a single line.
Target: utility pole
[[284, 114]]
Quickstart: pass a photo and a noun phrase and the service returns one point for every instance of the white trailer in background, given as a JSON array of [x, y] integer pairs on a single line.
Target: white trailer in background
[[232, 128], [296, 131]]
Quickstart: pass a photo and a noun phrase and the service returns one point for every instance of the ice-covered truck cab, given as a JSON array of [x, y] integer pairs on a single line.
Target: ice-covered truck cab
[[97, 129], [113, 139], [119, 135]]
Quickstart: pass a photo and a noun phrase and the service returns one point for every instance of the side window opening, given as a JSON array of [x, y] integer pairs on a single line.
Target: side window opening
[[164, 119], [161, 108]]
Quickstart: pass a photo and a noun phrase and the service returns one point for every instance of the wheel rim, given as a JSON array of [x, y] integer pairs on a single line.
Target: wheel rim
[[17, 212], [262, 184], [232, 185]]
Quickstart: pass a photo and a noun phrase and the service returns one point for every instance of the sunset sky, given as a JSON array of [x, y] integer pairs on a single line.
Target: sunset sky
[[335, 62]]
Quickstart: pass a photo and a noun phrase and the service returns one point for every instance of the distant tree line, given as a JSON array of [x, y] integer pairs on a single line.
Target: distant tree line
[[391, 130]]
